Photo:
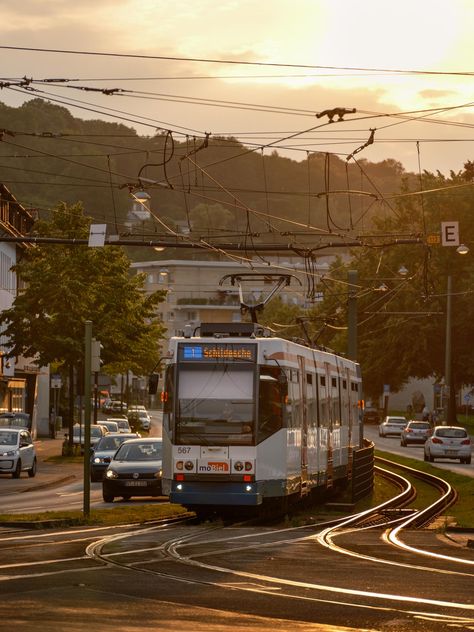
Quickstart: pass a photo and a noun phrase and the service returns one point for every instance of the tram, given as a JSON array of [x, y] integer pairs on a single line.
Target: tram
[[252, 420]]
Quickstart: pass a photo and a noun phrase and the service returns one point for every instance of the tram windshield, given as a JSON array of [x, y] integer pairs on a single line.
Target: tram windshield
[[215, 405]]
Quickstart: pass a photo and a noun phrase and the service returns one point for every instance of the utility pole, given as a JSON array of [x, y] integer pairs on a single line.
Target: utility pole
[[450, 411], [352, 278], [87, 417]]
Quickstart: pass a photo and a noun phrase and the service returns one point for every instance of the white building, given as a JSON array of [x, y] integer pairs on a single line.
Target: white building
[[24, 386]]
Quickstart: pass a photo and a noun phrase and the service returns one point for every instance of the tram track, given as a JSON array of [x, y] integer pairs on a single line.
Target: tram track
[[225, 557], [198, 548]]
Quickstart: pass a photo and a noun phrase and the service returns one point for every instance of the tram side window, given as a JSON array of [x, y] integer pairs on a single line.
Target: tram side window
[[273, 393]]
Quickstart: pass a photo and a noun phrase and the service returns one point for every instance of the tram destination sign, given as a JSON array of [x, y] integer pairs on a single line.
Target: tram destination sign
[[217, 352]]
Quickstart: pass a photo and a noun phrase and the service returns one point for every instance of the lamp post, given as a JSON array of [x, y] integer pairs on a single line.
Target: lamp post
[[449, 400]]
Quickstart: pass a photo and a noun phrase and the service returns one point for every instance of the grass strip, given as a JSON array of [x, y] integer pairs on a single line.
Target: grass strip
[[462, 512], [102, 517]]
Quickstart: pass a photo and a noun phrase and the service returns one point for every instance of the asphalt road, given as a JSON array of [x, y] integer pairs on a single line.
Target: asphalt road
[[56, 486], [392, 445], [49, 582]]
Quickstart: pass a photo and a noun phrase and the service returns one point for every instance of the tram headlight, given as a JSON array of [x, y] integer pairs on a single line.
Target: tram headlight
[[179, 487], [158, 474], [248, 488]]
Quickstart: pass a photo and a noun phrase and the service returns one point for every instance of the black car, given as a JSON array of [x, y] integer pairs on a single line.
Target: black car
[[104, 451], [135, 470], [371, 416]]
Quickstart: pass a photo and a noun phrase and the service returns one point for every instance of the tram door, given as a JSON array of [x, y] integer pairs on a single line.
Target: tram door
[[304, 424]]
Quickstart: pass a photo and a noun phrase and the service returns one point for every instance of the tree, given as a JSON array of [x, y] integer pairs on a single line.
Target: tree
[[402, 320], [60, 286]]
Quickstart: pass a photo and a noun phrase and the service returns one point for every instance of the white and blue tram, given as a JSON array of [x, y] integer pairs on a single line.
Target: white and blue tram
[[250, 419]]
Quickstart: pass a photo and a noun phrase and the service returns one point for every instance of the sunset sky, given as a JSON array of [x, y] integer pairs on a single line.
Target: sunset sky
[[302, 55]]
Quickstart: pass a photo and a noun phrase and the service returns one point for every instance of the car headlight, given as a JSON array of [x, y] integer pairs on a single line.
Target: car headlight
[[97, 460], [111, 474], [11, 453]]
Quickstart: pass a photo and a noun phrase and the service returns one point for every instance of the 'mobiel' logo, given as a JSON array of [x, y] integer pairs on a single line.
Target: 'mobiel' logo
[[215, 467]]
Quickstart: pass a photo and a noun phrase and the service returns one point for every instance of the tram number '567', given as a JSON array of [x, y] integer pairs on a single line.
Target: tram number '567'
[[183, 450]]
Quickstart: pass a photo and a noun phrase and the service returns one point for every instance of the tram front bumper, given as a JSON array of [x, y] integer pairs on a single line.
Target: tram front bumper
[[212, 493]]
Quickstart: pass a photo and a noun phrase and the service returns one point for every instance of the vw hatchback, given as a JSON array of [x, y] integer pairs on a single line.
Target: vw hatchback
[[448, 442], [135, 470], [17, 452]]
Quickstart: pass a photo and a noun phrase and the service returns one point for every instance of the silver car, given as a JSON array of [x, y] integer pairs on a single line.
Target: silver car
[[17, 452], [415, 432], [392, 425], [448, 442]]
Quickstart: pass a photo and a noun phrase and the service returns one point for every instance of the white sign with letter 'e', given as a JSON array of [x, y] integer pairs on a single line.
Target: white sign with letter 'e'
[[450, 233]]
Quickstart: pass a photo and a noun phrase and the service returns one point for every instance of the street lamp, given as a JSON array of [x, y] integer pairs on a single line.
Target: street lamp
[[449, 402]]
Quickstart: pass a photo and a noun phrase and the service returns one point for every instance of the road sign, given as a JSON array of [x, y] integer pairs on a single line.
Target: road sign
[[450, 233], [56, 381], [97, 235]]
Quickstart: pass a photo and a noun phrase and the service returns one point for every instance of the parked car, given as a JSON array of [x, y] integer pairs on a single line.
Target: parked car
[[122, 423], [17, 452], [114, 406], [392, 425], [16, 420], [109, 424], [103, 452], [139, 420], [448, 442], [371, 416], [145, 420], [97, 432], [135, 470], [415, 432]]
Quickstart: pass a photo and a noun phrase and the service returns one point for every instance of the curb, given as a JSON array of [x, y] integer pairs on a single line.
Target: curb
[[57, 481], [43, 524]]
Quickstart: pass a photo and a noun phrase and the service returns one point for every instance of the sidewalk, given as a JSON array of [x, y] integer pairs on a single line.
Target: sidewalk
[[48, 473], [54, 472]]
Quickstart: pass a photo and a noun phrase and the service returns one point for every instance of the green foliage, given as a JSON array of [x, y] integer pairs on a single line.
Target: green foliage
[[402, 320], [281, 318], [61, 286]]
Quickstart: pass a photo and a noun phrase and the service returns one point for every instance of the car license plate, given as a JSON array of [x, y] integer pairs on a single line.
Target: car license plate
[[135, 483], [451, 452]]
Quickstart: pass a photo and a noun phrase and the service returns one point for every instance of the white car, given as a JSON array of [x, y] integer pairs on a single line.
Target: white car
[[109, 424], [392, 425], [145, 420], [448, 442], [123, 425], [17, 452]]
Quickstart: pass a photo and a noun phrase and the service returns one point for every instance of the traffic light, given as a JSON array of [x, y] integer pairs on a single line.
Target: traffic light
[[153, 383], [96, 362]]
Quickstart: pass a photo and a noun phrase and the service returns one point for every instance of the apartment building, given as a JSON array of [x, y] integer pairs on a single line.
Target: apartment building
[[24, 386], [198, 291]]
